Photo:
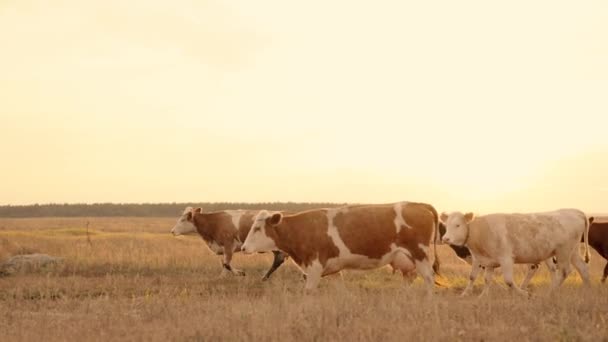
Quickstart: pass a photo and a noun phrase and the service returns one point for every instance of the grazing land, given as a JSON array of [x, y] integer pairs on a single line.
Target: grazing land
[[129, 279]]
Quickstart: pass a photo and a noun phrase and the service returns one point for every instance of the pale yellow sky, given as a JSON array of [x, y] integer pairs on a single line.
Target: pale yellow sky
[[469, 105]]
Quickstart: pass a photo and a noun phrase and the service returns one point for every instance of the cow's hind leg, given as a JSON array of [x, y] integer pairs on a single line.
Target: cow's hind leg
[[552, 266], [279, 259], [563, 268], [507, 272], [425, 269], [531, 272], [228, 259], [581, 267]]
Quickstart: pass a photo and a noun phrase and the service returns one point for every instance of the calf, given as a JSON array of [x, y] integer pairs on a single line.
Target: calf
[[463, 253], [325, 241], [598, 239], [223, 232], [507, 239]]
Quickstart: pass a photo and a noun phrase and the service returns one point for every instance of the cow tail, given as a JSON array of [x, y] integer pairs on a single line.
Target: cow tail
[[436, 262], [588, 223]]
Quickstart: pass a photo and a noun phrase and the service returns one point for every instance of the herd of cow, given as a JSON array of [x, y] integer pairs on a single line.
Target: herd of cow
[[326, 241]]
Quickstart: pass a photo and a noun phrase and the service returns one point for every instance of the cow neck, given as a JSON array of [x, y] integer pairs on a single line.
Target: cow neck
[[206, 235], [466, 238], [283, 238]]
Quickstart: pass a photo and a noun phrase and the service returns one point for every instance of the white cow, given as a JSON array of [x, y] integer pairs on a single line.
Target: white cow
[[506, 239]]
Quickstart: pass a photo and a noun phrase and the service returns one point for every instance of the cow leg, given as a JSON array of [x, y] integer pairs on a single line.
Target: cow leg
[[425, 269], [507, 273], [279, 259], [475, 268], [563, 268], [313, 275], [605, 273], [227, 259], [581, 267], [488, 281], [531, 272], [552, 266], [408, 278]]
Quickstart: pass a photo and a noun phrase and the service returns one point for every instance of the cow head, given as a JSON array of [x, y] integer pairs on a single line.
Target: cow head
[[263, 229], [185, 224], [456, 227]]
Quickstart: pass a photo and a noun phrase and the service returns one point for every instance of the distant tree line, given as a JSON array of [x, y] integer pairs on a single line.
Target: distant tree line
[[144, 209]]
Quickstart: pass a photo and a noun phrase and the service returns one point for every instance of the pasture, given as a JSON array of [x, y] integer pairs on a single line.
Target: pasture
[[129, 279]]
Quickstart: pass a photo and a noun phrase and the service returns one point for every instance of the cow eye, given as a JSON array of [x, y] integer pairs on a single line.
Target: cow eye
[[257, 229]]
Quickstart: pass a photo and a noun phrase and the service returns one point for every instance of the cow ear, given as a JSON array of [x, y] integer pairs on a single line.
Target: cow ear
[[198, 210], [275, 219], [189, 216], [468, 217], [444, 217]]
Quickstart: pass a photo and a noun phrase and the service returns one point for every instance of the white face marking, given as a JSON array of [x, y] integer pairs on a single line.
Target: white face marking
[[257, 240], [399, 220], [456, 229], [183, 226]]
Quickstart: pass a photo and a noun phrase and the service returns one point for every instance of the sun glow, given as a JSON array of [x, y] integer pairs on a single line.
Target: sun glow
[[247, 101]]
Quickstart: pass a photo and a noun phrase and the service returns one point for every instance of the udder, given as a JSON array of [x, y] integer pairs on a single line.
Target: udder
[[403, 263]]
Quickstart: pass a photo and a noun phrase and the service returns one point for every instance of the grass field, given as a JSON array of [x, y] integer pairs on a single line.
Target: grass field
[[129, 279]]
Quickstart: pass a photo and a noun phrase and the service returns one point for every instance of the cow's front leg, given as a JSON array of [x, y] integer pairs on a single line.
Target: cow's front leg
[[475, 268], [279, 259], [488, 281], [228, 251], [507, 272], [313, 275], [605, 273]]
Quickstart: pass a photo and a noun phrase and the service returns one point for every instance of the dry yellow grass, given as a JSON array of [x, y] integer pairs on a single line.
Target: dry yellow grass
[[134, 281]]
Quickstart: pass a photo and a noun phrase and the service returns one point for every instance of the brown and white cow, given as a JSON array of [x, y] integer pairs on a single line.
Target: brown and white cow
[[598, 239], [223, 232], [325, 241], [506, 239]]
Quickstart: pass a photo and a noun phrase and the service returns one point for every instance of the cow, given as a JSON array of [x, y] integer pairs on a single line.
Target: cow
[[598, 239], [463, 253], [223, 232], [506, 239], [325, 241]]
